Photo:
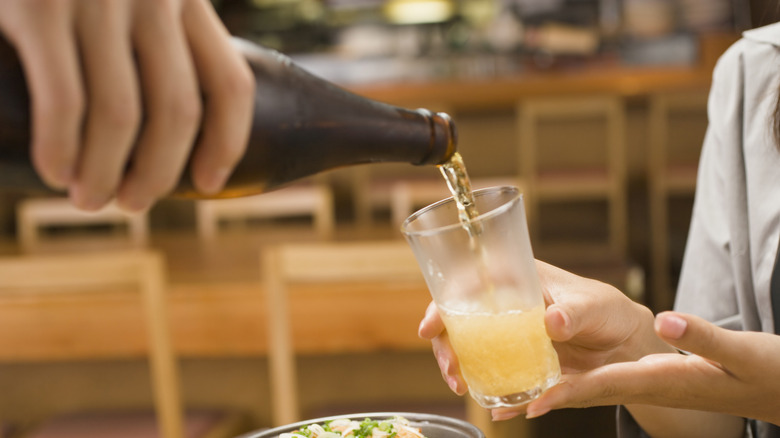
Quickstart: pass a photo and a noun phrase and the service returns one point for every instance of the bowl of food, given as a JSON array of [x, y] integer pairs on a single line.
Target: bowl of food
[[373, 424]]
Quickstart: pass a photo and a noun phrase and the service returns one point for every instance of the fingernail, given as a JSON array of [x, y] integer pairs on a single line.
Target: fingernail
[[133, 205], [452, 382], [214, 183], [421, 330], [62, 179], [441, 360], [503, 415], [671, 326], [91, 205], [565, 320], [534, 412], [87, 202]]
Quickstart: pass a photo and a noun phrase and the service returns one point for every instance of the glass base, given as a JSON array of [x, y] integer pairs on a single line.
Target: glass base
[[516, 399]]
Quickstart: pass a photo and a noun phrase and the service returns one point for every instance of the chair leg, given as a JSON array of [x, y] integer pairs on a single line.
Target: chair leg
[[162, 358], [324, 221], [481, 418], [282, 367], [663, 296], [361, 178]]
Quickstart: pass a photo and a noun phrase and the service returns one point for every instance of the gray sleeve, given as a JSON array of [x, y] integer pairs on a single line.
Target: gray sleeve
[[706, 286]]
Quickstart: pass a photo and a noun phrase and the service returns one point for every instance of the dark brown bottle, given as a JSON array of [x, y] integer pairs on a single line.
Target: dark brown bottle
[[302, 125]]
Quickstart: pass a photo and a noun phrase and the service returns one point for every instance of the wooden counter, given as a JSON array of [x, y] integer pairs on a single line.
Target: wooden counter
[[505, 92], [218, 308], [597, 77], [212, 320]]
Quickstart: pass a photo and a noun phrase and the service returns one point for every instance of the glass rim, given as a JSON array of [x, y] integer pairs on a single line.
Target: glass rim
[[516, 196]]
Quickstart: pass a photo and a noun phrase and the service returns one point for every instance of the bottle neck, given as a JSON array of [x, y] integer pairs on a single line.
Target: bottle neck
[[443, 138]]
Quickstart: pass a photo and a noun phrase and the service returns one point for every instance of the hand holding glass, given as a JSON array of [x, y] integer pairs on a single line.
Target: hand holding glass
[[483, 279]]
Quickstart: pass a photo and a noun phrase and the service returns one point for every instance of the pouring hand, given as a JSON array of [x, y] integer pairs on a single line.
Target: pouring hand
[[117, 92]]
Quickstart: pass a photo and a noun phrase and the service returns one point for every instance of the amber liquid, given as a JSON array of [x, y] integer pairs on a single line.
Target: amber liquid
[[454, 172], [457, 178], [494, 359], [505, 356]]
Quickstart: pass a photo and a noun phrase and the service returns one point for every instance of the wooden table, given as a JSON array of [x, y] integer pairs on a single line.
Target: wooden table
[[217, 309]]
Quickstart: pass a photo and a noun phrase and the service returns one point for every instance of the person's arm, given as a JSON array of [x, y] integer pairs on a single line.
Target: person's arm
[[708, 284], [119, 91], [728, 372], [611, 354]]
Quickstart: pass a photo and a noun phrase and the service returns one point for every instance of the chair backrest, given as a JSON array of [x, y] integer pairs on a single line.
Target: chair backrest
[[138, 270], [606, 109], [677, 124], [315, 200], [559, 166], [33, 215], [382, 272]]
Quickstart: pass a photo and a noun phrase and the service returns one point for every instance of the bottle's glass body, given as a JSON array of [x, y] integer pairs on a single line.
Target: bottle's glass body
[[302, 125]]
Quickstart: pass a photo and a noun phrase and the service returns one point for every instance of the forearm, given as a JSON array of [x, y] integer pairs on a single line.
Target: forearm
[[662, 422]]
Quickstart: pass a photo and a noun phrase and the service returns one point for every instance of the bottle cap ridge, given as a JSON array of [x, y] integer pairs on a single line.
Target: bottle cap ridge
[[443, 142]]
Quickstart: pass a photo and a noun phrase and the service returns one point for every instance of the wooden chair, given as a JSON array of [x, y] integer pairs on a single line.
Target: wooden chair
[[143, 272], [383, 273], [372, 188], [34, 215], [677, 123], [284, 266], [198, 424], [315, 200], [553, 173]]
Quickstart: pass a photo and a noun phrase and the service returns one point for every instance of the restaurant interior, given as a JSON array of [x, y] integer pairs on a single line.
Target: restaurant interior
[[215, 318]]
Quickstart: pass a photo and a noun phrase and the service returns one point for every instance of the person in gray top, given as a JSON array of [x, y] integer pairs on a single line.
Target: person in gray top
[[711, 368]]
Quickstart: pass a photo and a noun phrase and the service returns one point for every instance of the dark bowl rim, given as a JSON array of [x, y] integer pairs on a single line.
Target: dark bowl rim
[[420, 419]]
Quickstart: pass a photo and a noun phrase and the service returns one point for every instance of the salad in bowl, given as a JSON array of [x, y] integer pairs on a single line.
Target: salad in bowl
[[394, 427]]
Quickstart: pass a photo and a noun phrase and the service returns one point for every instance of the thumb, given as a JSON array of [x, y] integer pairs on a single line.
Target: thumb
[[558, 323], [431, 324], [696, 335]]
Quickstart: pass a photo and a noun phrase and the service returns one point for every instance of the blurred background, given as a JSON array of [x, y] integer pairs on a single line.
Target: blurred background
[[595, 108]]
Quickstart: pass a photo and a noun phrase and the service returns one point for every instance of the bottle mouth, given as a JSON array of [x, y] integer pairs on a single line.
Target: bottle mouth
[[443, 141]]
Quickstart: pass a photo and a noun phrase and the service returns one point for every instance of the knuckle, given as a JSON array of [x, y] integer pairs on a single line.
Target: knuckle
[[239, 83], [706, 336], [184, 109], [43, 5], [100, 6], [165, 8], [65, 102], [230, 152], [58, 119], [121, 112], [47, 158], [26, 17]]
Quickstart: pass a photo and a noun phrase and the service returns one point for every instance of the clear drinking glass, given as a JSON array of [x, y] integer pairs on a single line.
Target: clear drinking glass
[[487, 290]]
